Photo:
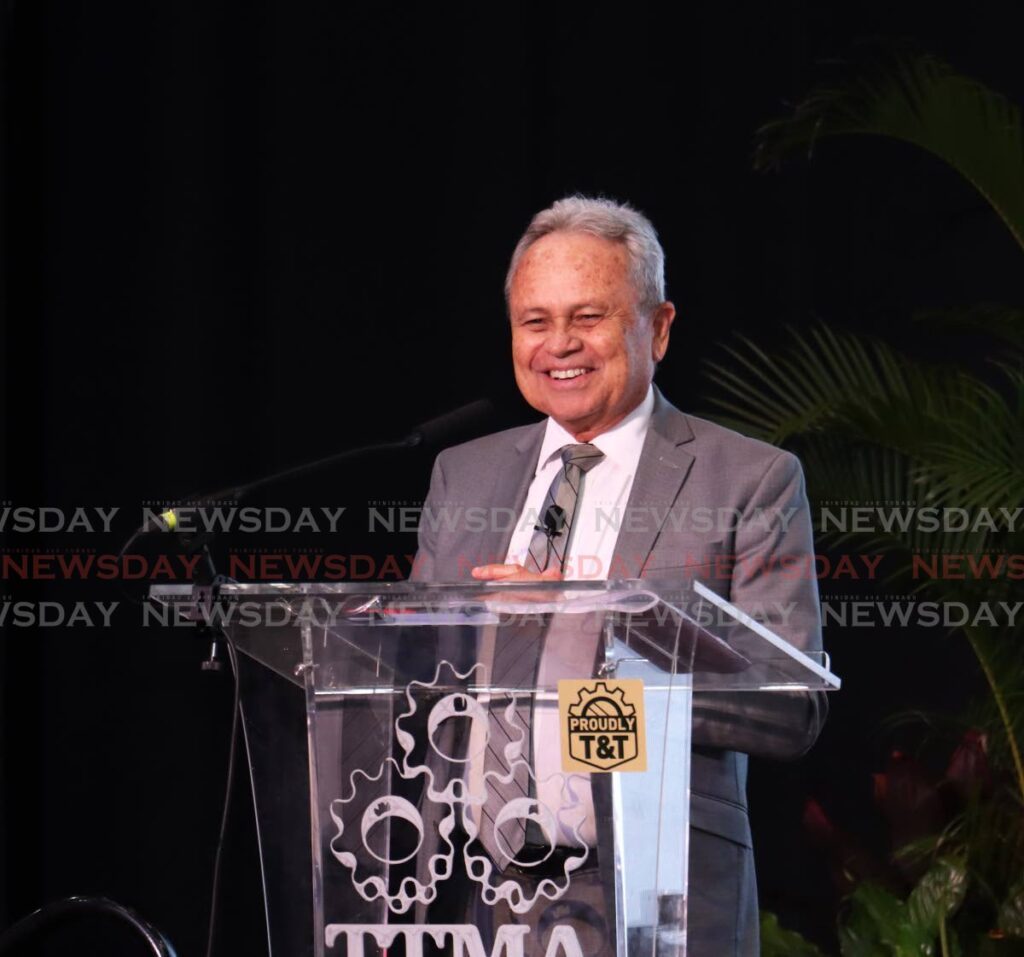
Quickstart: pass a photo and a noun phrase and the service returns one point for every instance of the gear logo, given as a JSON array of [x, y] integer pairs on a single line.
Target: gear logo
[[602, 725], [452, 796]]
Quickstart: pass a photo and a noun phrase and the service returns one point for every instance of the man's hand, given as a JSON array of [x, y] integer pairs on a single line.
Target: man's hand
[[515, 573]]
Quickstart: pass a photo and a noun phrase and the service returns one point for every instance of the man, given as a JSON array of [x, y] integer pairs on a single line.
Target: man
[[589, 320]]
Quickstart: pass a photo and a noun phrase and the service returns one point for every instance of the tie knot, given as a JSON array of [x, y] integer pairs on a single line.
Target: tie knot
[[584, 456]]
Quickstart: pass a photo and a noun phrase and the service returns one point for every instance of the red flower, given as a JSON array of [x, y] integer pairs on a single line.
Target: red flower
[[969, 771]]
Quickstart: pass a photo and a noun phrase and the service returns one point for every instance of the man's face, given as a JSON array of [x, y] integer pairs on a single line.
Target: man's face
[[581, 350]]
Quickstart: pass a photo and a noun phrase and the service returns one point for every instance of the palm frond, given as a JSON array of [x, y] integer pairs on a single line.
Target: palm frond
[[876, 430], [826, 380], [964, 439], [980, 459], [893, 520], [923, 101], [999, 652]]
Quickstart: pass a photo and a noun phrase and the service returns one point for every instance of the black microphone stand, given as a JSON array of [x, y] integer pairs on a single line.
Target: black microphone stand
[[206, 591]]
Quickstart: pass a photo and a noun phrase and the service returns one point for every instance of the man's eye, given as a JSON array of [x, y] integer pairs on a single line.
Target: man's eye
[[589, 316]]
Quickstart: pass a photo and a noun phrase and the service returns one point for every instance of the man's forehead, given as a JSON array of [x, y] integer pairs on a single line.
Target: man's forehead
[[570, 264], [576, 249]]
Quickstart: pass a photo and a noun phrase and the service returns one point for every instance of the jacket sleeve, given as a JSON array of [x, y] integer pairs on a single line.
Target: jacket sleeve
[[424, 566], [774, 577]]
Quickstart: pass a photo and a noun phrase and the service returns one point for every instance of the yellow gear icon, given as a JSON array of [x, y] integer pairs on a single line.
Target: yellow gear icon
[[586, 697], [602, 725]]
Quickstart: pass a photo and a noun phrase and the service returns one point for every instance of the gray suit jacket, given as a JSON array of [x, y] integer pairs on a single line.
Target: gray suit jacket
[[686, 463]]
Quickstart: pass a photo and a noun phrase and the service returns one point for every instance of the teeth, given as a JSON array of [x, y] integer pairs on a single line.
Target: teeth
[[566, 373]]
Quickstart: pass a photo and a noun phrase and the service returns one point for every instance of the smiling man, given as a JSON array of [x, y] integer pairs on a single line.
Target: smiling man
[[589, 324], [584, 341]]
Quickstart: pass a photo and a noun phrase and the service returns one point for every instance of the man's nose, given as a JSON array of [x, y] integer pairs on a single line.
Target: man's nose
[[563, 342]]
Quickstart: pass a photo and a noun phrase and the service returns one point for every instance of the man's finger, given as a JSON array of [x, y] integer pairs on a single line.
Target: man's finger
[[492, 572], [514, 573]]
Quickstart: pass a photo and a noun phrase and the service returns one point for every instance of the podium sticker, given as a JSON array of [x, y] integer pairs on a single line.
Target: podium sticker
[[602, 724]]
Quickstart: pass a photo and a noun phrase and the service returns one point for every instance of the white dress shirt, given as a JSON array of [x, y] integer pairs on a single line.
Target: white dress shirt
[[606, 489]]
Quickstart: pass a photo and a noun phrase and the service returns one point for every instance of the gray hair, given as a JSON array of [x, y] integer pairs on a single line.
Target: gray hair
[[607, 219]]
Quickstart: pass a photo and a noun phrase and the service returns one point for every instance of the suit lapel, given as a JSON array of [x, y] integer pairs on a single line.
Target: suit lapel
[[664, 466], [514, 472]]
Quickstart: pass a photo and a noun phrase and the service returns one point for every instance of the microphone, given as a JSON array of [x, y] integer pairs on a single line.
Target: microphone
[[166, 521], [451, 423], [554, 522]]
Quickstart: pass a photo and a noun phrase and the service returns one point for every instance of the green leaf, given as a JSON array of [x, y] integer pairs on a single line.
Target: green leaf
[[878, 924], [938, 895], [776, 941], [872, 425], [923, 101]]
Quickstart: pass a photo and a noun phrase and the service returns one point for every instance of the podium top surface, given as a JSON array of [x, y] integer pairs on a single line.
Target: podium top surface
[[679, 626]]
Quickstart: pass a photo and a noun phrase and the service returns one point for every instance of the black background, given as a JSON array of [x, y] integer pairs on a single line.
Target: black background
[[240, 236]]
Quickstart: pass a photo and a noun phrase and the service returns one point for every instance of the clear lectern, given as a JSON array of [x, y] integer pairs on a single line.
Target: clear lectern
[[485, 768]]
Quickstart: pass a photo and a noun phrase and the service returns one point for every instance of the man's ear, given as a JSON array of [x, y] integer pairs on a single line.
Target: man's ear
[[661, 322]]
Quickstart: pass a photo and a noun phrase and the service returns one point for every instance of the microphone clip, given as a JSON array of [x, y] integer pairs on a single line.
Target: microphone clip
[[554, 522]]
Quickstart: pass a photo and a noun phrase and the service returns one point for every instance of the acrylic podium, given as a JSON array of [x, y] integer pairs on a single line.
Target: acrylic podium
[[421, 788]]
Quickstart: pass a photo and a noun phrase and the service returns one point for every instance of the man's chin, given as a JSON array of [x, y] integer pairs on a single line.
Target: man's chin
[[574, 421], [575, 414]]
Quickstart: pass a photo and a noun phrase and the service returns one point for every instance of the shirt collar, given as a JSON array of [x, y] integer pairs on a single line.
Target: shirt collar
[[621, 441]]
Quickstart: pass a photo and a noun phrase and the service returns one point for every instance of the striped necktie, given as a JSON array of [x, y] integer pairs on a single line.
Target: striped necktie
[[519, 650], [550, 542]]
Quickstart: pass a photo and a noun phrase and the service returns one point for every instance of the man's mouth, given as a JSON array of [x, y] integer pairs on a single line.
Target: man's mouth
[[567, 373]]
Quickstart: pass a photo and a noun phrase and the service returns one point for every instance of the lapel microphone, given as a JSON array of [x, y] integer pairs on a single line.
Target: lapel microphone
[[554, 521]]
